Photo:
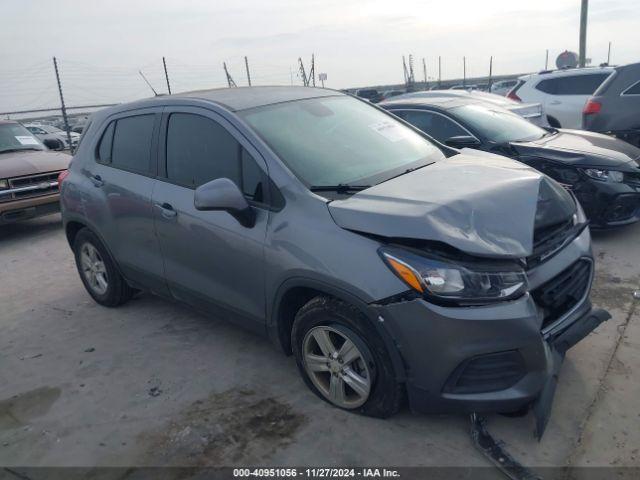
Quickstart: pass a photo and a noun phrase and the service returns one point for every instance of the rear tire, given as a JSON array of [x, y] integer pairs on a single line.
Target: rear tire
[[98, 271], [343, 360], [553, 122]]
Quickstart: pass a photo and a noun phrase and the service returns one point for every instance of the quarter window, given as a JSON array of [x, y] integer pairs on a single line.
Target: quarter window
[[633, 89], [104, 149], [200, 150]]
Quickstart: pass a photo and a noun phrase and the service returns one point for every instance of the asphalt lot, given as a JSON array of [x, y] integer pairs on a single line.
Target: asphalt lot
[[154, 383]]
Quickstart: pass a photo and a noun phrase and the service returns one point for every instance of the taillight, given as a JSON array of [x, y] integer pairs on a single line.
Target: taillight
[[512, 95], [592, 107], [62, 175]]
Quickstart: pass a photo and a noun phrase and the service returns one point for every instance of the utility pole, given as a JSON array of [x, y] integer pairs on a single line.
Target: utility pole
[[246, 66], [424, 71], [63, 108], [404, 71], [546, 60], [609, 55], [583, 33], [439, 71], [464, 72], [490, 73], [312, 72], [230, 81], [303, 74], [166, 75]]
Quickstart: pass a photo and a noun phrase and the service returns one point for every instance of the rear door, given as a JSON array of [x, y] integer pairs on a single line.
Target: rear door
[[567, 94], [120, 186], [211, 261]]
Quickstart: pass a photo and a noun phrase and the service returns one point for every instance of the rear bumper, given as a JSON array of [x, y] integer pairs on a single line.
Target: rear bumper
[[495, 358]]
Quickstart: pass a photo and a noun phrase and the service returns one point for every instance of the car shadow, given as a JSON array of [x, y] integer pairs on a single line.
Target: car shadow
[[29, 228]]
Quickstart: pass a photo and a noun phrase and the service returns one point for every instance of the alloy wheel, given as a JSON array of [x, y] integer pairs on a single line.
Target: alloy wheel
[[336, 367], [94, 269]]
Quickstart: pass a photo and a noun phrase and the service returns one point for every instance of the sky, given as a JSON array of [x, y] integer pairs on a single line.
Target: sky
[[101, 46]]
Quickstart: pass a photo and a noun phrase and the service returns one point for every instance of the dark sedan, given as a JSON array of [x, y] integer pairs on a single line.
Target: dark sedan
[[603, 172]]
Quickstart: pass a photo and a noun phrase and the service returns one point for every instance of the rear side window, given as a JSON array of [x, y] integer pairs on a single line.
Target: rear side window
[[573, 84], [131, 148], [439, 127], [200, 150]]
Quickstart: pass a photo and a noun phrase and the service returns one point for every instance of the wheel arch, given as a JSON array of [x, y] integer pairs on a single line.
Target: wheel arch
[[294, 293]]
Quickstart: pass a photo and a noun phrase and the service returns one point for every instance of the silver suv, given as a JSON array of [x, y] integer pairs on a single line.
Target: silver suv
[[386, 263]]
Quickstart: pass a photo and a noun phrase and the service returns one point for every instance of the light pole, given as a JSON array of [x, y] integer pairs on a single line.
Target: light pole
[[583, 33]]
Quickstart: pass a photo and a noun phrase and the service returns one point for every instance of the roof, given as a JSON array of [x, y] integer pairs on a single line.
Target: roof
[[242, 98], [568, 71], [440, 102]]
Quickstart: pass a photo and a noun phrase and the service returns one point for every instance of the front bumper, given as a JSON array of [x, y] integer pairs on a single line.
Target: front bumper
[[19, 210], [609, 205], [436, 343]]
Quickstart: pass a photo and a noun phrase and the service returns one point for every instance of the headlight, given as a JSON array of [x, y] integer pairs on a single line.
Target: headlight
[[604, 175], [4, 184], [463, 283]]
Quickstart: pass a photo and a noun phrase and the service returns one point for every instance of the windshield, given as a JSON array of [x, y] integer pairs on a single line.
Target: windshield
[[340, 140], [497, 125], [14, 136]]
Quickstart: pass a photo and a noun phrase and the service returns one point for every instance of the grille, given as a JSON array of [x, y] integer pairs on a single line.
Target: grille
[[487, 373], [33, 185], [563, 292], [548, 240], [632, 178]]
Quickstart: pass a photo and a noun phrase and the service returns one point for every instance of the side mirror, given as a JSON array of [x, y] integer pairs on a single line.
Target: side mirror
[[53, 144], [462, 141], [222, 194]]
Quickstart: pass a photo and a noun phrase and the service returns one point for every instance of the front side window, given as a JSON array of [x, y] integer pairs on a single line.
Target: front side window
[[439, 127], [498, 125], [340, 140], [132, 143], [200, 150]]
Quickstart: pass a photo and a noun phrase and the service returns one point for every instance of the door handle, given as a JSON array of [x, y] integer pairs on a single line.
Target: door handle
[[166, 210], [96, 180], [555, 102]]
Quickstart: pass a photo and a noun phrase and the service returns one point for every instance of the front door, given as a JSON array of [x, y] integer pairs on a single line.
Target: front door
[[211, 260]]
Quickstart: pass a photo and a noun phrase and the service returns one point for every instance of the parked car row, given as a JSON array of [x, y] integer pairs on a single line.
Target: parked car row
[[353, 240], [49, 132], [361, 239], [602, 172]]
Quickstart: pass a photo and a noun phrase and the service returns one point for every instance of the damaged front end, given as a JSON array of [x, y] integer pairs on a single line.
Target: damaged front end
[[498, 268]]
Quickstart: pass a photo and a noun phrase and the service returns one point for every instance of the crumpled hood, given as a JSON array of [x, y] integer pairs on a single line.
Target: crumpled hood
[[482, 204], [581, 148], [29, 162]]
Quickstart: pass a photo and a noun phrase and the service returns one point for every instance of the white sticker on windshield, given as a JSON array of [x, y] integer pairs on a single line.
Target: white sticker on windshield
[[392, 131], [27, 140]]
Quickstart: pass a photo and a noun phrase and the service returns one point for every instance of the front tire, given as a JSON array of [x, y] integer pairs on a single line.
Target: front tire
[[343, 360], [98, 271]]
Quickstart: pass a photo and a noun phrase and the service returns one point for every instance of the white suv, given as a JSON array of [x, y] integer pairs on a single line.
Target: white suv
[[563, 93]]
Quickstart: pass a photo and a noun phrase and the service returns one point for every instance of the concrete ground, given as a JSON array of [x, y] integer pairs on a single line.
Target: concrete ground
[[153, 383]]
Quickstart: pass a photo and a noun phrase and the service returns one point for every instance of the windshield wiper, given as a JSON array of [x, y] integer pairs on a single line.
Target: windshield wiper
[[340, 188], [408, 170]]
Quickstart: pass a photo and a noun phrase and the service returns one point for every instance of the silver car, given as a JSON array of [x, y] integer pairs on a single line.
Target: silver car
[[387, 264]]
